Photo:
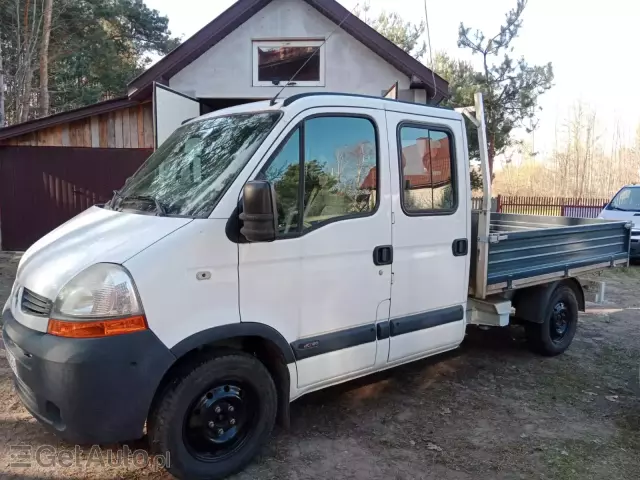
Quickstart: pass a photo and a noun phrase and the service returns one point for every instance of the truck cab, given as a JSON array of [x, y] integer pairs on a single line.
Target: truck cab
[[625, 206], [262, 252]]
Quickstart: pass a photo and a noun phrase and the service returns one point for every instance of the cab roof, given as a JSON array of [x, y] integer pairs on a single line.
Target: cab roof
[[304, 101]]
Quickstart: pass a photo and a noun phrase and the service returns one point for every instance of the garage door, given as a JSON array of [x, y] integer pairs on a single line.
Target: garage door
[[43, 187]]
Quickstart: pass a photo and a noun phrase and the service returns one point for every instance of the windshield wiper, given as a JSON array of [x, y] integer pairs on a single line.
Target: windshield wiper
[[160, 208], [620, 209], [112, 202]]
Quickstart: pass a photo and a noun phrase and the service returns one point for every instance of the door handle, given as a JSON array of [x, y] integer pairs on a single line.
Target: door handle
[[383, 255], [460, 247]]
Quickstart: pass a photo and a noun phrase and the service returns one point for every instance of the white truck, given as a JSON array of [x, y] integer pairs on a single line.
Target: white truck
[[270, 250], [625, 206]]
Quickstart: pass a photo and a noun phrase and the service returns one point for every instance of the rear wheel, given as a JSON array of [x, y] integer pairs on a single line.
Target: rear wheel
[[215, 419], [560, 321]]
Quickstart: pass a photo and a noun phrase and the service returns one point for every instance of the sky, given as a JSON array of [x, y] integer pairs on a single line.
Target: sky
[[591, 44]]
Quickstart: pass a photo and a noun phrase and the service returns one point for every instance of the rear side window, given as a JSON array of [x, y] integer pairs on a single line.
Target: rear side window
[[427, 170], [325, 171]]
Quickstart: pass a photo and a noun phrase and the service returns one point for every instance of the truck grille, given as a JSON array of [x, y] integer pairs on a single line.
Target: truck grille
[[34, 304]]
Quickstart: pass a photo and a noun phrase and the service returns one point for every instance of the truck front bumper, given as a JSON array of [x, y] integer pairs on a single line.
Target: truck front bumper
[[87, 391]]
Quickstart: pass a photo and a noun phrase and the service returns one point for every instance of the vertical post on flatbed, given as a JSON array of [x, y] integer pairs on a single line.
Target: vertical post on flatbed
[[484, 220]]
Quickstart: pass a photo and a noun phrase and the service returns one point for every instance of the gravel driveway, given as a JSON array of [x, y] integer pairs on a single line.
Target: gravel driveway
[[488, 410]]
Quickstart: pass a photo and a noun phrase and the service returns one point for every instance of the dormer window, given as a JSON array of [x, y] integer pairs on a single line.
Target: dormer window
[[275, 62]]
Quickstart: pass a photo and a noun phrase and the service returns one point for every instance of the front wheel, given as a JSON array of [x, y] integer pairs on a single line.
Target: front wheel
[[213, 421], [560, 321]]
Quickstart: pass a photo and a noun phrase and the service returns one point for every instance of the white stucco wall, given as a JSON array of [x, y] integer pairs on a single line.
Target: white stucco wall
[[225, 71]]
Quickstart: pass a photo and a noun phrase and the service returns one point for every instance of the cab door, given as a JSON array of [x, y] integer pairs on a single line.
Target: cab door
[[430, 234], [325, 281]]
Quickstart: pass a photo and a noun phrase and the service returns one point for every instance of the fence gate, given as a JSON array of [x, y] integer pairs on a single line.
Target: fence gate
[[43, 187]]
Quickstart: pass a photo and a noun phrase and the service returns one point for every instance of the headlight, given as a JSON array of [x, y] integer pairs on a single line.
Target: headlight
[[98, 302], [104, 290]]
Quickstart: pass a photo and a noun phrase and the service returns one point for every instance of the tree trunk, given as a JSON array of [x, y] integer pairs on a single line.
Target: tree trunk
[[25, 108], [22, 112], [29, 50], [2, 121], [491, 154], [44, 59]]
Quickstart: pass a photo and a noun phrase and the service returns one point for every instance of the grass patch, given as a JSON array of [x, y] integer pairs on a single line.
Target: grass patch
[[619, 273]]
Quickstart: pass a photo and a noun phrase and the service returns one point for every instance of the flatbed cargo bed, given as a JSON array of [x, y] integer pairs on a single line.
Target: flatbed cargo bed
[[526, 250]]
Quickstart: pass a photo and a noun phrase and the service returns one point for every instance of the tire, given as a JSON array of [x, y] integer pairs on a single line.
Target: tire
[[187, 419], [560, 322]]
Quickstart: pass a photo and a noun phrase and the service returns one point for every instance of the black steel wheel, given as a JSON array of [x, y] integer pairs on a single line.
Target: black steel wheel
[[214, 419], [559, 323], [218, 423]]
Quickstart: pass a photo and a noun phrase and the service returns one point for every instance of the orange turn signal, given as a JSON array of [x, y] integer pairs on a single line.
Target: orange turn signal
[[96, 328]]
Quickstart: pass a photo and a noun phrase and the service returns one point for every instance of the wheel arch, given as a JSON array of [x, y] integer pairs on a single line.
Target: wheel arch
[[575, 285], [528, 302], [260, 340]]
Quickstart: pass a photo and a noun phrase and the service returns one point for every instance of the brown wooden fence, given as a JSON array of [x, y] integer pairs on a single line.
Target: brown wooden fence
[[552, 206]]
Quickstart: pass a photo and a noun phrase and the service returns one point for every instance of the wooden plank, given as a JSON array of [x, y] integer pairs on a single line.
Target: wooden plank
[[28, 139], [86, 133], [126, 129], [42, 137], [95, 132], [141, 126], [65, 135], [56, 136], [104, 130], [118, 129], [73, 134], [133, 122], [148, 126], [111, 130]]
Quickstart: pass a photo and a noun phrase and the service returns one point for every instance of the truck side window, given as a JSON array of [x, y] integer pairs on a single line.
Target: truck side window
[[339, 155], [284, 174], [340, 168], [427, 164]]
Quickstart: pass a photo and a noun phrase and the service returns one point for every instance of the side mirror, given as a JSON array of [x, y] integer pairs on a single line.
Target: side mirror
[[258, 211]]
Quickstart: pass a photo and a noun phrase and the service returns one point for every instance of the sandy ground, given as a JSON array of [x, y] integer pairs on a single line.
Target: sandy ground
[[488, 410]]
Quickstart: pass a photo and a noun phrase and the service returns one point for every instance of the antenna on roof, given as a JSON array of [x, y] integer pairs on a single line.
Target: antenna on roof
[[315, 52], [433, 73]]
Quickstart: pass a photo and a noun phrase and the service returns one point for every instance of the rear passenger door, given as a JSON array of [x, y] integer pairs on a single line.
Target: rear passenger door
[[430, 191], [323, 283]]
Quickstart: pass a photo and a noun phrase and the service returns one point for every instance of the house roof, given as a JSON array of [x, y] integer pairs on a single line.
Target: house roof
[[140, 88], [63, 117], [421, 76]]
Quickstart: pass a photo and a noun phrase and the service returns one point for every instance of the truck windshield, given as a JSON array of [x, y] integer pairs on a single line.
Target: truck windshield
[[192, 169], [627, 199]]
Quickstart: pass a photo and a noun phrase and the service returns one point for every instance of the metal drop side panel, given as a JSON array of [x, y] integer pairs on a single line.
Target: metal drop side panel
[[525, 250]]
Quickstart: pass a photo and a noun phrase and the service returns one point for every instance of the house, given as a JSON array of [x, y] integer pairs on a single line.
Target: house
[[250, 52]]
